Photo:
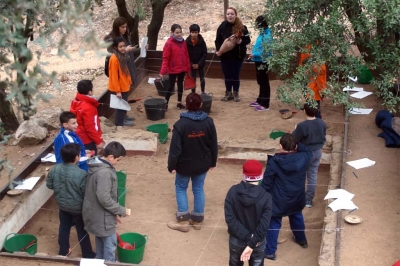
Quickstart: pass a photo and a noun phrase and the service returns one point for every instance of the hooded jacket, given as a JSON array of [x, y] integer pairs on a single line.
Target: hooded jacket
[[100, 205], [238, 52], [198, 51], [118, 81], [248, 213], [285, 178], [194, 146], [259, 53], [175, 57], [85, 109]]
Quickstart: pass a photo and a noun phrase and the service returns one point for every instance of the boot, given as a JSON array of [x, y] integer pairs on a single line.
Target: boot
[[228, 96], [196, 220], [236, 97], [181, 223]]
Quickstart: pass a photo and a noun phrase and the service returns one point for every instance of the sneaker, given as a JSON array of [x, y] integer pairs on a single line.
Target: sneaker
[[130, 118], [270, 256], [309, 203], [128, 123], [180, 106], [261, 108], [254, 104], [236, 97], [301, 244], [228, 97]]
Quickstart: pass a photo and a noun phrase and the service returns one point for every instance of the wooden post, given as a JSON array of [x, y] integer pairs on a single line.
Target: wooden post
[[226, 5]]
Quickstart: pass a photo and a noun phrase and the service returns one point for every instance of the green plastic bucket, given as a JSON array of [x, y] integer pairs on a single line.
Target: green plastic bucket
[[161, 129], [132, 256], [122, 195], [23, 242], [276, 133], [121, 178], [364, 76]]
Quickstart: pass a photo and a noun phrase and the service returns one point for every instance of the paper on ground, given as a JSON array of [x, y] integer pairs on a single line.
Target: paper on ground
[[91, 262], [347, 88], [361, 94], [360, 111], [118, 103], [339, 194], [151, 80], [28, 183], [49, 158], [143, 44], [342, 204], [361, 163], [354, 79]]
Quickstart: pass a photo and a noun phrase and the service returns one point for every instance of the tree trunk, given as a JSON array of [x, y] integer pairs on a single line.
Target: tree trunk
[[133, 22], [226, 5], [7, 114], [158, 7]]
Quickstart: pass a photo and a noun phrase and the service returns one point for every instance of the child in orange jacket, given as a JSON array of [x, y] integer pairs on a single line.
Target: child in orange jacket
[[119, 79]]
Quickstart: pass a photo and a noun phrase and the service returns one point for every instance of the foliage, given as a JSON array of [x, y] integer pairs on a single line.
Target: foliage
[[344, 35]]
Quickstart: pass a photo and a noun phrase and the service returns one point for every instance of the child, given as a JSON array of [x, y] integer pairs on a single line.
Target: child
[[311, 133], [247, 213], [175, 62], [84, 106], [67, 135], [119, 79], [285, 178], [100, 206], [197, 49], [68, 183]]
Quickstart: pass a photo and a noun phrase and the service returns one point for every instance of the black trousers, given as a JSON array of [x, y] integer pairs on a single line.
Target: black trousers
[[263, 81], [193, 73], [172, 79], [91, 146], [236, 249], [120, 114]]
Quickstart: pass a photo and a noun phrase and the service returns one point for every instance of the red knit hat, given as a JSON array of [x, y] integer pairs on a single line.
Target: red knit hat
[[252, 171]]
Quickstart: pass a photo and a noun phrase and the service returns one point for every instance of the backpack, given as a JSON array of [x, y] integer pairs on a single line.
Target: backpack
[[106, 65]]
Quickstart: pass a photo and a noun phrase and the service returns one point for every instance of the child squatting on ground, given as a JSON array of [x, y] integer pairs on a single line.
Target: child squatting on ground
[[100, 206], [248, 211], [68, 182]]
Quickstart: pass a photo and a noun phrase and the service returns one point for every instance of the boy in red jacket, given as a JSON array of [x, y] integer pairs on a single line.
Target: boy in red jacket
[[84, 106]]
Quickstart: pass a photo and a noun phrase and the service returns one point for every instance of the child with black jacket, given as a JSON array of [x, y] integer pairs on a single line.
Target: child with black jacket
[[197, 49], [248, 209]]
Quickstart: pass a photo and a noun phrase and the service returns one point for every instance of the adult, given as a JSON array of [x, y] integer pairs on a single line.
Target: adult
[[259, 56], [232, 61], [285, 178], [193, 151]]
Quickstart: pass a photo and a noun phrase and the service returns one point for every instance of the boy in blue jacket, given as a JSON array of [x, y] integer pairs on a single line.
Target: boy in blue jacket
[[285, 178], [67, 135]]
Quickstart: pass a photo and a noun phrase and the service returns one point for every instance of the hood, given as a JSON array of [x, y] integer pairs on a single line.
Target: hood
[[290, 163], [96, 164], [249, 194], [196, 115], [81, 99]]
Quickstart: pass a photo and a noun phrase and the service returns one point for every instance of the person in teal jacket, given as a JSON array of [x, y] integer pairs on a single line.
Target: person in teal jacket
[[259, 56]]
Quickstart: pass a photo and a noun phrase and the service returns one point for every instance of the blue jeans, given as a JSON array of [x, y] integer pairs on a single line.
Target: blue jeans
[[105, 247], [231, 70], [181, 185], [67, 220], [296, 221], [235, 250], [312, 172]]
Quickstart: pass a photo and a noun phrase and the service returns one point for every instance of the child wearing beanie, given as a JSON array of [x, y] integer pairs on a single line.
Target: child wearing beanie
[[248, 209]]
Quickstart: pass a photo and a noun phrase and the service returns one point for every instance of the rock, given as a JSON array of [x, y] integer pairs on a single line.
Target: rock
[[48, 118], [30, 133], [54, 51]]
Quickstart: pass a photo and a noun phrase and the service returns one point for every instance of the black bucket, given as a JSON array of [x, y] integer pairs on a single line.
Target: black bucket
[[155, 108], [207, 101], [162, 86]]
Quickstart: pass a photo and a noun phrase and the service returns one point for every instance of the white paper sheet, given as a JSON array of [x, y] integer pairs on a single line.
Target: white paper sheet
[[151, 80], [91, 262], [361, 94], [339, 194], [49, 158], [84, 158], [143, 50], [342, 204], [361, 163], [360, 111], [118, 103], [347, 88], [29, 183], [354, 79]]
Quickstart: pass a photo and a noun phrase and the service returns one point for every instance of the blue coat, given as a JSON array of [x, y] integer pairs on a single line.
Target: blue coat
[[285, 178], [259, 52], [383, 120], [65, 137]]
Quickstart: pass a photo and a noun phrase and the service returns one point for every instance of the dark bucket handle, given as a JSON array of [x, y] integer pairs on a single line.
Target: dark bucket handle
[[210, 94]]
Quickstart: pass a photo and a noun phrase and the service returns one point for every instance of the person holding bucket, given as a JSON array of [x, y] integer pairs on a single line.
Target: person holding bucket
[[176, 63], [193, 151]]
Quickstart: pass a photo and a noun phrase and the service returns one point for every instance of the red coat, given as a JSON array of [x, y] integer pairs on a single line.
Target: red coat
[[85, 109], [175, 58]]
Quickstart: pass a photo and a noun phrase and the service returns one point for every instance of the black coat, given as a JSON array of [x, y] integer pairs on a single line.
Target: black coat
[[248, 213], [194, 146], [224, 31], [285, 179], [197, 52]]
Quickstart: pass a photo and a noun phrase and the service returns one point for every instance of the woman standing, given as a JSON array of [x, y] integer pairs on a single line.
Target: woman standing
[[175, 62], [193, 151], [259, 56], [231, 61]]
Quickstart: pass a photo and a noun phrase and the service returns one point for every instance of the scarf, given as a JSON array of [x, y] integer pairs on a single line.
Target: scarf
[[123, 61], [177, 39], [194, 115]]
